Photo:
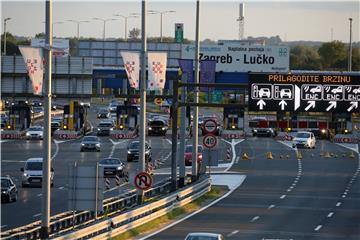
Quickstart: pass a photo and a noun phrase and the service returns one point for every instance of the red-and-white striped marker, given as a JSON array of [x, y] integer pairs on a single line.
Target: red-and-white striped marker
[[228, 153]]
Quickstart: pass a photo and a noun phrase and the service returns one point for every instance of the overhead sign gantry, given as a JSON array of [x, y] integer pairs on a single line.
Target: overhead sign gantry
[[304, 92]]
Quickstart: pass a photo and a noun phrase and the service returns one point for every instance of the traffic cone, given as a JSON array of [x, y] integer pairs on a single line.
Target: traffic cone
[[327, 155], [269, 155], [245, 157], [352, 155], [299, 155]]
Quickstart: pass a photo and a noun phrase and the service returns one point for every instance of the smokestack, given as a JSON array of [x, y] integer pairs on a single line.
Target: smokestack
[[241, 20]]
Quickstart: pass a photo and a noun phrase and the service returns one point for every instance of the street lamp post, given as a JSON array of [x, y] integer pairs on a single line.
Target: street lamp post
[[78, 25], [161, 18], [134, 15], [104, 21], [52, 27], [5, 20], [350, 47]]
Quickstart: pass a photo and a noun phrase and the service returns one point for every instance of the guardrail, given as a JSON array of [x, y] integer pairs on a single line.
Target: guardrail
[[111, 227], [64, 221]]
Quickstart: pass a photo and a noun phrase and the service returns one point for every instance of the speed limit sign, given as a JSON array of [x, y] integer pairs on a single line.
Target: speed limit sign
[[209, 141]]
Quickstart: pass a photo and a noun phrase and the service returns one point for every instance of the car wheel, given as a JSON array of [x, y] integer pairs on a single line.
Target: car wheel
[[52, 184], [81, 150], [98, 150]]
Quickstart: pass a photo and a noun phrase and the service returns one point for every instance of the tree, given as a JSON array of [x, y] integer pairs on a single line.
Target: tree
[[333, 55], [304, 58], [11, 45], [134, 33]]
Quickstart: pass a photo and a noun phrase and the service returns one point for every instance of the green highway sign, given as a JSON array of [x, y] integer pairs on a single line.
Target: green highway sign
[[179, 32]]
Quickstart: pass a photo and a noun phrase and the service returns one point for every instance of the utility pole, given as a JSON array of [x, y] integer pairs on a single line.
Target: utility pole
[[5, 20], [45, 211], [142, 96], [350, 47], [196, 109]]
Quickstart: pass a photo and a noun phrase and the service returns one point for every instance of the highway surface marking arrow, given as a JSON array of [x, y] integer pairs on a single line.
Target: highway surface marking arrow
[[311, 105], [261, 104], [352, 106], [282, 104], [331, 105]]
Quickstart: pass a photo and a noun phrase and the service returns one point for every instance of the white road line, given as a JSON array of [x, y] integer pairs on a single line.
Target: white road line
[[232, 233], [254, 219], [39, 195], [343, 196], [61, 188], [330, 214], [37, 215], [283, 196], [169, 141], [289, 190], [271, 206], [237, 159], [12, 161], [318, 228], [338, 204], [56, 150]]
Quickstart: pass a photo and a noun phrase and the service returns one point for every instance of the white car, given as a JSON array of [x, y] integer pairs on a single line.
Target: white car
[[35, 132], [304, 139], [33, 173], [264, 92], [204, 236]]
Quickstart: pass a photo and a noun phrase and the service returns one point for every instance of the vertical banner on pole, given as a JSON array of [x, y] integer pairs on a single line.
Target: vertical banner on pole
[[207, 73], [33, 58], [132, 67], [157, 62]]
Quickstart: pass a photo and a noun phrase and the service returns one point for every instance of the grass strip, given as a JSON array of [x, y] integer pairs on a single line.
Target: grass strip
[[176, 213]]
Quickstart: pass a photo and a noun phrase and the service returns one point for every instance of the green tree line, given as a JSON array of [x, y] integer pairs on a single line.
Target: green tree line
[[329, 56]]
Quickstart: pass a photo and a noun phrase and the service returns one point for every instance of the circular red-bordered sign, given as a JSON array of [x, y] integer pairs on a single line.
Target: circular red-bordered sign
[[158, 101], [210, 126], [209, 141], [143, 181]]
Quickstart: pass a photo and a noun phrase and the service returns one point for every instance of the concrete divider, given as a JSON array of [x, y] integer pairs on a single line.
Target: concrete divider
[[122, 134], [12, 134], [66, 134]]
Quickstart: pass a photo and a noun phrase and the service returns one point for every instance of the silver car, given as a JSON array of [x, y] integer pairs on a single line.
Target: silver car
[[204, 236], [90, 143]]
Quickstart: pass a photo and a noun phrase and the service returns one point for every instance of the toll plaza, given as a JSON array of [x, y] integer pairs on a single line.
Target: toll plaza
[[126, 117], [233, 118], [19, 116]]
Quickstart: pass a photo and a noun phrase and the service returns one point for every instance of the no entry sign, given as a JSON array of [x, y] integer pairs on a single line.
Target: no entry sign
[[210, 126], [143, 181], [209, 141]]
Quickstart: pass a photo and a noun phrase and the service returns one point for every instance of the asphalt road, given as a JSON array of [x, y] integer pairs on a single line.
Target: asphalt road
[[311, 198]]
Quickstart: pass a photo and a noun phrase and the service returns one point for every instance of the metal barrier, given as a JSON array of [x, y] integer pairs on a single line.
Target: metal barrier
[[63, 221], [116, 225]]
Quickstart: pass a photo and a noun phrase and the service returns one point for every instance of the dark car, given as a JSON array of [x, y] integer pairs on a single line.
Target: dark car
[[104, 127], [133, 151], [8, 190], [90, 143], [112, 167], [103, 113], [263, 132], [188, 154], [157, 127]]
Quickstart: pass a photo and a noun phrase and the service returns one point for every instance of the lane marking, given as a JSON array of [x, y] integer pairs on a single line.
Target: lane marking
[[232, 233], [283, 196], [37, 215], [271, 206], [330, 214], [318, 228], [12, 161], [39, 195], [237, 159], [338, 204], [61, 188], [254, 219]]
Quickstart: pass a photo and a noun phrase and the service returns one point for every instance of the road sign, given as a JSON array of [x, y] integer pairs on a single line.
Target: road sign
[[209, 141], [158, 101], [217, 96], [143, 181], [304, 93], [179, 32], [210, 126]]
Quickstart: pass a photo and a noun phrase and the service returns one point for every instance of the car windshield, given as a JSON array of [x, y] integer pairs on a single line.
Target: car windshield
[[201, 238], [157, 123], [35, 129], [303, 135], [103, 111], [189, 148], [105, 124], [5, 183], [33, 166], [110, 161], [134, 145], [90, 139]]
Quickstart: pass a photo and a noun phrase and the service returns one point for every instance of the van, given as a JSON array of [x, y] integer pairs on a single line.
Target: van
[[33, 173]]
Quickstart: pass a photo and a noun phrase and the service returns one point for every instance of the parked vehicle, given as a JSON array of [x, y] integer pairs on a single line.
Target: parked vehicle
[[8, 190], [112, 166], [90, 143], [133, 151], [33, 173]]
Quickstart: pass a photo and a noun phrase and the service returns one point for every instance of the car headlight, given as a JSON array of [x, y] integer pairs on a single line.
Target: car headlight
[[119, 168], [150, 128], [111, 129], [4, 192], [98, 144], [255, 130], [98, 129], [83, 144], [163, 128], [25, 174], [323, 131], [28, 134], [129, 152]]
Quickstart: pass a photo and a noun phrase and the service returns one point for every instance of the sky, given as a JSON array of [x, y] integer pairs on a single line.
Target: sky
[[291, 20]]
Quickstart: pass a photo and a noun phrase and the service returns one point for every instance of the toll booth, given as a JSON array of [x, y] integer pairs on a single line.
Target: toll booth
[[75, 116], [20, 116], [233, 118], [127, 117]]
